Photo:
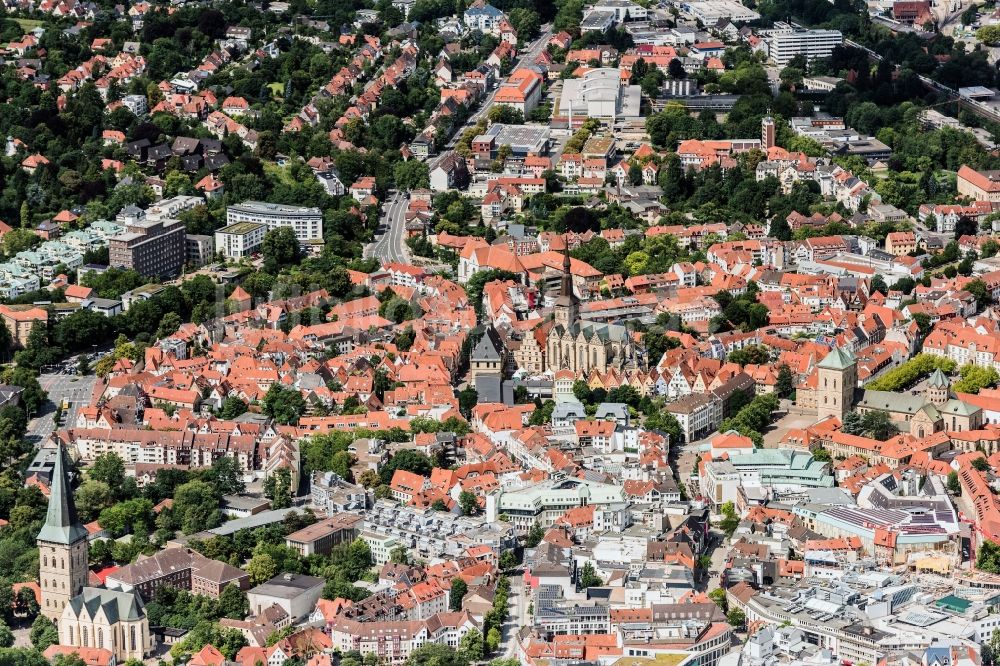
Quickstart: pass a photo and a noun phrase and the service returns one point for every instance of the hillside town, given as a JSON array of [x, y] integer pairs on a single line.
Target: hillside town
[[420, 333]]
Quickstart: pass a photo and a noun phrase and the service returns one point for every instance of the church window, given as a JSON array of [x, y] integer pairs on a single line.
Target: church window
[[45, 560], [86, 641], [132, 636], [71, 634], [100, 637]]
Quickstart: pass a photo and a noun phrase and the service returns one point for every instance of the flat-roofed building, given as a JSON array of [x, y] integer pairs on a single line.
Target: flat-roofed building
[[320, 538], [786, 42], [240, 239], [150, 245], [306, 222]]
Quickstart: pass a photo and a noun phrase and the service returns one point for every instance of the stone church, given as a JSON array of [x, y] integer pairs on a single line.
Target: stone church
[[582, 346], [85, 616], [835, 393]]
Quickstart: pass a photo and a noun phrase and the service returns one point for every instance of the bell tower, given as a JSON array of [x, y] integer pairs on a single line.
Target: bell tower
[[567, 308], [62, 545]]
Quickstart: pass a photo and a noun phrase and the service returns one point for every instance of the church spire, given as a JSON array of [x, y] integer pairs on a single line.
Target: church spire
[[62, 526], [566, 307], [567, 276]]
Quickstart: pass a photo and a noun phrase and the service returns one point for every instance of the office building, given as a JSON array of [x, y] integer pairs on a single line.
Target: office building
[[307, 223], [240, 239], [786, 42], [150, 245]]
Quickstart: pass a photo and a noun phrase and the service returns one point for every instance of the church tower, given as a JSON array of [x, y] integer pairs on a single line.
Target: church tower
[[767, 133], [937, 388], [567, 308], [62, 545], [837, 377]]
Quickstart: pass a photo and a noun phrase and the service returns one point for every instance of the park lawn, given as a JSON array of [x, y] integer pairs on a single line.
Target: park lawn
[[277, 89]]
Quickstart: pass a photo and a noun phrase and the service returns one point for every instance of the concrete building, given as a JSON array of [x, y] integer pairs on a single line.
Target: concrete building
[[599, 94], [306, 222], [698, 414], [785, 42], [151, 245], [240, 239], [294, 593], [320, 538], [200, 249]]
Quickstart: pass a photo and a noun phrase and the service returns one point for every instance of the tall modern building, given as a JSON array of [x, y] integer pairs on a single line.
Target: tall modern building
[[785, 42], [62, 546], [151, 245], [306, 222]]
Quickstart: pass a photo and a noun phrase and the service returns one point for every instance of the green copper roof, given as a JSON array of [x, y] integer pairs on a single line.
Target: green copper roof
[[62, 525], [938, 378], [838, 359]]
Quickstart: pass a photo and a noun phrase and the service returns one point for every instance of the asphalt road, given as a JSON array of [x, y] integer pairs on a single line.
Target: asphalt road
[[517, 614], [390, 247], [76, 390]]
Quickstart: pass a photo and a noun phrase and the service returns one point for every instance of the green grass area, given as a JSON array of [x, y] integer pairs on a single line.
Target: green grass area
[[277, 89], [29, 24]]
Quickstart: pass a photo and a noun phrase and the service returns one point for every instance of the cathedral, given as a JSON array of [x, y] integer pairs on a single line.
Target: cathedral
[[581, 346], [85, 616]]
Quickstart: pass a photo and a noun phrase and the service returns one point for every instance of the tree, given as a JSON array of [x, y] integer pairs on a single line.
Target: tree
[[284, 405], [534, 536], [110, 469], [411, 175], [91, 498], [467, 399], [226, 476], [785, 385], [280, 248], [954, 485], [730, 519], [233, 603], [718, 595], [988, 557], [408, 460], [589, 577], [989, 35], [278, 488], [459, 589], [6, 635], [232, 407], [493, 639], [878, 425], [196, 507], [471, 646], [468, 502], [399, 555], [736, 617], [435, 654], [261, 568], [43, 633]]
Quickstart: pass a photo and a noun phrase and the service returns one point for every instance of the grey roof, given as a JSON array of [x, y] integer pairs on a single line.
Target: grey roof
[[117, 606], [489, 346], [287, 585], [62, 525], [894, 402], [937, 378]]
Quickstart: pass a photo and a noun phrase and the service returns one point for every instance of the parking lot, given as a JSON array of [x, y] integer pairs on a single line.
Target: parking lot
[[60, 385]]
